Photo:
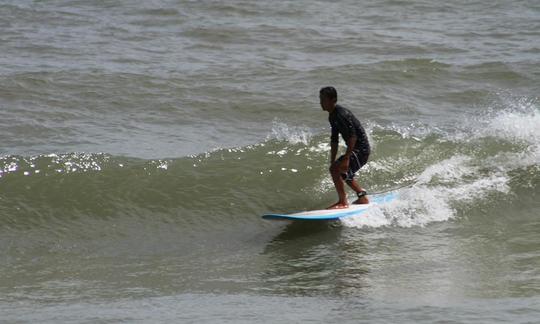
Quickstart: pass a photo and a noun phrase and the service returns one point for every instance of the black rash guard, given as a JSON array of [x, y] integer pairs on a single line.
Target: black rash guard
[[345, 123]]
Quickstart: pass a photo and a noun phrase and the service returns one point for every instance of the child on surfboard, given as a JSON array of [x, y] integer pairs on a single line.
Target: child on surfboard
[[344, 168]]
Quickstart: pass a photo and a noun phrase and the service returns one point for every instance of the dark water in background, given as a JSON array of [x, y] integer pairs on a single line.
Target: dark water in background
[[142, 140]]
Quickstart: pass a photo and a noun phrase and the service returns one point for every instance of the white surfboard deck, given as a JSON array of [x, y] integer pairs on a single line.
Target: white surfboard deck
[[335, 214]]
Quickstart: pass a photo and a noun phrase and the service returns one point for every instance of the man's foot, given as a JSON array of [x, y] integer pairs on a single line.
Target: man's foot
[[339, 205], [362, 200]]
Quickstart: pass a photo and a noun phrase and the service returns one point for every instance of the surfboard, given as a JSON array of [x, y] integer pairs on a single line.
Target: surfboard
[[335, 214]]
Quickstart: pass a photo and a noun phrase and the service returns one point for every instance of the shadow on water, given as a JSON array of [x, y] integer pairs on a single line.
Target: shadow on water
[[305, 230], [314, 258]]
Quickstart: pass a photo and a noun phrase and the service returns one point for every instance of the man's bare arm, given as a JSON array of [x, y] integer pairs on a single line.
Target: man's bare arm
[[333, 151], [351, 143]]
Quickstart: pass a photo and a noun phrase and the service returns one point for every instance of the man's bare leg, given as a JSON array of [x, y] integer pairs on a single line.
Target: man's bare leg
[[356, 187], [340, 188]]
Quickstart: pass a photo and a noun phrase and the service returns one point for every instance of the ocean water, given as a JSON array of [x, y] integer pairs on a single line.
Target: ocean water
[[142, 140]]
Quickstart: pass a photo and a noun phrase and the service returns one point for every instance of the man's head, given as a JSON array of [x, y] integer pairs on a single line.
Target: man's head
[[328, 98]]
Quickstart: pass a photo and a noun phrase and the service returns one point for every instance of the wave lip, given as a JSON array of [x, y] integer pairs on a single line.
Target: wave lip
[[291, 134]]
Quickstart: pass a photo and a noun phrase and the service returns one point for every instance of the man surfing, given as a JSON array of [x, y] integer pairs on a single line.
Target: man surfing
[[344, 168]]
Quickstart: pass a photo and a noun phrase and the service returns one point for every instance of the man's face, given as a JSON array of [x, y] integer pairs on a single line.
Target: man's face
[[327, 103]]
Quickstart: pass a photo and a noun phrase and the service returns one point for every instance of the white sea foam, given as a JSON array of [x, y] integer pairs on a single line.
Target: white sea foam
[[291, 134], [520, 124], [447, 171], [414, 130], [432, 197], [520, 121]]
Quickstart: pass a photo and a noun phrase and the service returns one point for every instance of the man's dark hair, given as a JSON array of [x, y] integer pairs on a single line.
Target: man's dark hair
[[329, 92]]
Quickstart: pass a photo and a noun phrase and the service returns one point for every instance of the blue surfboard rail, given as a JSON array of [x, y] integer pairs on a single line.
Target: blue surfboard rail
[[335, 214]]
